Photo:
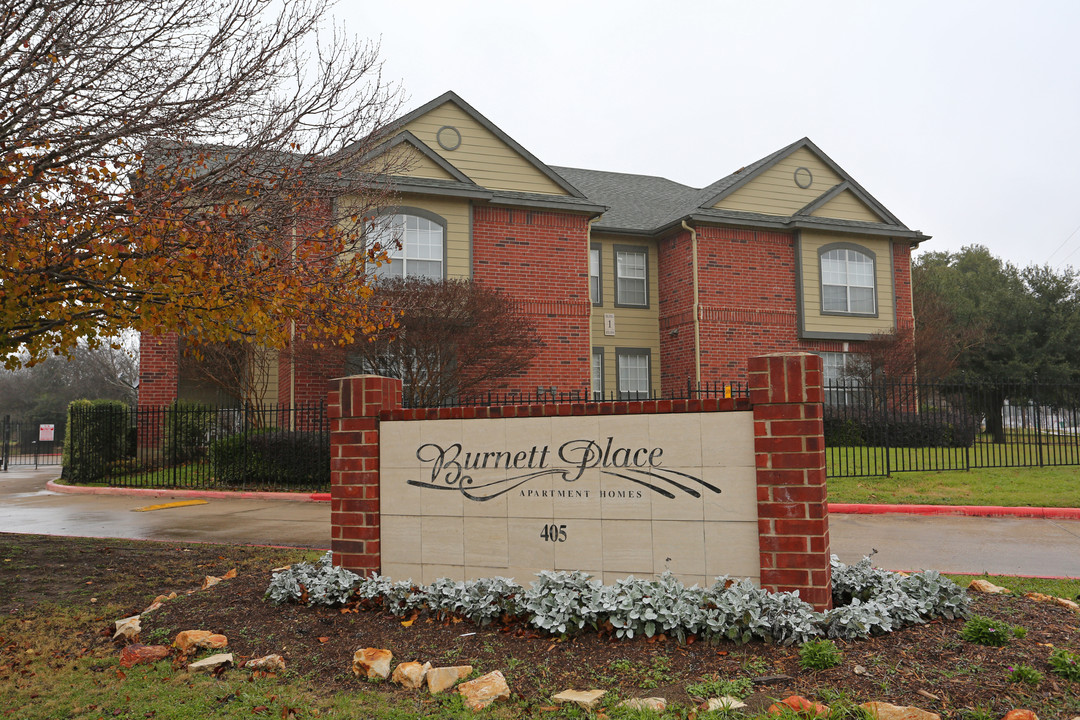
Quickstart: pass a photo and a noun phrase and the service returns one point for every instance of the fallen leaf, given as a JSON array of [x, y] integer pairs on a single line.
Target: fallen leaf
[[407, 623], [928, 695], [229, 575], [120, 674], [324, 639]]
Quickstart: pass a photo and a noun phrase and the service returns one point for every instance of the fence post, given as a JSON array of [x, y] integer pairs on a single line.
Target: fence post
[[1038, 411], [5, 437], [885, 416]]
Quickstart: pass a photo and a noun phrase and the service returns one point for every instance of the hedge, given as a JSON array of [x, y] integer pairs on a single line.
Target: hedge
[[272, 457], [845, 427]]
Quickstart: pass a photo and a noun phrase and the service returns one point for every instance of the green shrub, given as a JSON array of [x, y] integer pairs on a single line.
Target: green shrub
[[986, 631], [819, 655], [98, 436], [858, 427], [188, 427], [1066, 664], [1025, 674], [272, 457]]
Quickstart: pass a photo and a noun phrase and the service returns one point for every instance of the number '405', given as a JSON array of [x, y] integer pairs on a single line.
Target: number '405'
[[553, 533]]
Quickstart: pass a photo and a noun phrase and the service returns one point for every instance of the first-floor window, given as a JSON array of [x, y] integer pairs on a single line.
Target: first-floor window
[[598, 373], [633, 370], [843, 376]]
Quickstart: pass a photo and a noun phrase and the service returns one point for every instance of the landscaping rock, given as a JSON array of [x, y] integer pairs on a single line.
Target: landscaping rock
[[267, 663], [725, 702], [372, 663], [985, 586], [656, 704], [128, 629], [211, 663], [439, 679], [1063, 602], [887, 711], [484, 690], [800, 705], [139, 654], [187, 640], [586, 699], [1020, 715], [410, 675]]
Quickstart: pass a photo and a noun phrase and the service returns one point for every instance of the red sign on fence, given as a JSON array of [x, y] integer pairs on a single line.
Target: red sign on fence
[[45, 433]]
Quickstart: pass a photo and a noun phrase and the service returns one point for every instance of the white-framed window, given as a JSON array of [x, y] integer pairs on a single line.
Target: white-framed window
[[414, 245], [847, 281], [595, 289], [842, 375], [631, 276], [633, 366], [598, 373]]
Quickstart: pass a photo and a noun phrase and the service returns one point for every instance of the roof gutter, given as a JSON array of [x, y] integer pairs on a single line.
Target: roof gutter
[[697, 304]]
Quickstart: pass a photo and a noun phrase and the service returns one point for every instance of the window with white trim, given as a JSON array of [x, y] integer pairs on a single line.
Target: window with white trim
[[594, 275], [847, 282], [631, 276], [632, 365], [842, 375], [598, 373], [413, 244]]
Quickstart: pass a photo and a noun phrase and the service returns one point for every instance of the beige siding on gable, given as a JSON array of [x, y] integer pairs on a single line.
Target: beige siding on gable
[[774, 191], [482, 156], [416, 164], [813, 319], [847, 207], [634, 327]]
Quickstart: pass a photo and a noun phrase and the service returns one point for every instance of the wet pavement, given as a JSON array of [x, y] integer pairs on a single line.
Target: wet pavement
[[998, 545]]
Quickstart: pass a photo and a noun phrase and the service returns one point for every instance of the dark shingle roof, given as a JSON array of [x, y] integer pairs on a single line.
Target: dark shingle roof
[[647, 204]]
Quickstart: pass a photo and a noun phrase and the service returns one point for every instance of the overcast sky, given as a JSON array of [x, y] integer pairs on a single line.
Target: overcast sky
[[961, 117]]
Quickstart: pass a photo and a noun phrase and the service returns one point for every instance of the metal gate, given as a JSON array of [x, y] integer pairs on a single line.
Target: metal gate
[[26, 442]]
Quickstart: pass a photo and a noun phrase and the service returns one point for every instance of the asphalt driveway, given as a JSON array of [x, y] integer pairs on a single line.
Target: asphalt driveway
[[1008, 546]]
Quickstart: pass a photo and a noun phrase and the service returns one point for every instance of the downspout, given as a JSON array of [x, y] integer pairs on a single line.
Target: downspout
[[697, 304], [600, 281]]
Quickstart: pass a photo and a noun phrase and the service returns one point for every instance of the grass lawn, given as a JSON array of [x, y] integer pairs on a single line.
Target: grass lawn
[[1015, 487]]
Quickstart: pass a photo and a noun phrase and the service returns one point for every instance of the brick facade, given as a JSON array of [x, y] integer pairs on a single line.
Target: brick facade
[[540, 260], [159, 374]]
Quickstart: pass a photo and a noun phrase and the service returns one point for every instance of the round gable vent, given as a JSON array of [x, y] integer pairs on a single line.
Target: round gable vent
[[448, 137], [803, 177]]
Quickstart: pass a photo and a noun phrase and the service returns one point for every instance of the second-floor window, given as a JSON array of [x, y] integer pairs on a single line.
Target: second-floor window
[[847, 282], [631, 276], [414, 245], [594, 275]]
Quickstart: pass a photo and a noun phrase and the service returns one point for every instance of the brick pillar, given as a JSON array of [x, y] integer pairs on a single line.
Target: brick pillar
[[353, 407], [159, 363], [793, 519]]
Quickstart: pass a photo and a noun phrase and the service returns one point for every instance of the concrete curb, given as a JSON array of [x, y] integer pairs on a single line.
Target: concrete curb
[[177, 493], [1048, 513]]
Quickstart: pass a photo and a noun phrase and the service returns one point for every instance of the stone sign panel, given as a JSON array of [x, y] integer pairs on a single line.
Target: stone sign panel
[[611, 495]]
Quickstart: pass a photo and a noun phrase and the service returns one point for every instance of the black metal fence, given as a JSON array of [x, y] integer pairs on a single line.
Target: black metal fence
[[35, 442], [903, 425], [192, 446], [552, 395]]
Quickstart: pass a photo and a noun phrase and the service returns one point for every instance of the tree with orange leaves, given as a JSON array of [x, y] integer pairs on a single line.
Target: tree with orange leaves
[[199, 166]]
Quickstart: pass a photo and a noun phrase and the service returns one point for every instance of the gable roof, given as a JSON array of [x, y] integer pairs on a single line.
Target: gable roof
[[648, 205], [452, 97], [408, 138]]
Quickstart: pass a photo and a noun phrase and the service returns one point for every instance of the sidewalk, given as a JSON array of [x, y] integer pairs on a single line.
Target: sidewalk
[[950, 543]]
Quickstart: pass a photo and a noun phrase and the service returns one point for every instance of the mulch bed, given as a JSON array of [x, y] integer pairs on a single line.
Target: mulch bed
[[928, 666], [905, 667]]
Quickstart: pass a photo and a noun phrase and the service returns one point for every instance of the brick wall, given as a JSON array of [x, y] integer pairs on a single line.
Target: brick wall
[[675, 268], [540, 259], [793, 520], [159, 375]]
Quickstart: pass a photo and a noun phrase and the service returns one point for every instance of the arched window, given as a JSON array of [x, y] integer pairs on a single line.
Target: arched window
[[847, 281], [414, 243]]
